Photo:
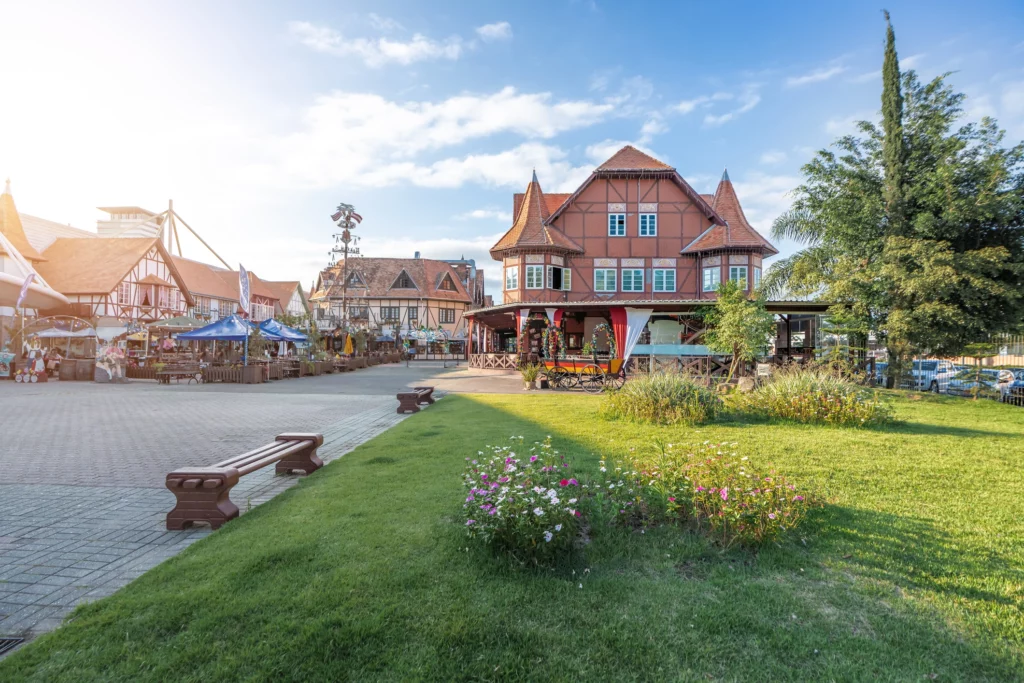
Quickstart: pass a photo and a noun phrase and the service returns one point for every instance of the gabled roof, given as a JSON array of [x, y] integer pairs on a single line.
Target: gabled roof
[[10, 226], [629, 158], [737, 233], [219, 283], [395, 283], [630, 162], [42, 232], [380, 273], [552, 200], [529, 228], [97, 266]]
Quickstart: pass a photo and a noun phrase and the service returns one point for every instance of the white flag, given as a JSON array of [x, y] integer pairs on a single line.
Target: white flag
[[24, 289], [243, 289]]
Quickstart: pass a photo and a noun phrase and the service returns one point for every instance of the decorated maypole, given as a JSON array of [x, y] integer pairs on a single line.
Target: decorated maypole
[[346, 218]]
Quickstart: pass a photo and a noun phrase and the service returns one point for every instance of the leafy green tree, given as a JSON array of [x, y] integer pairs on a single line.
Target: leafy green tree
[[737, 325], [918, 239]]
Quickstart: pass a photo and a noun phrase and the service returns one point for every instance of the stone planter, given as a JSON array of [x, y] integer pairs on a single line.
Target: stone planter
[[529, 386]]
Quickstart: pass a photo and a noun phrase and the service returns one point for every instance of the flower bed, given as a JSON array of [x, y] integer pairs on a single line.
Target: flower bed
[[522, 502]]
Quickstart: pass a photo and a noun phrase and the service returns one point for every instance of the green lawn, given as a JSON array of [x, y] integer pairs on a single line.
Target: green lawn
[[912, 568]]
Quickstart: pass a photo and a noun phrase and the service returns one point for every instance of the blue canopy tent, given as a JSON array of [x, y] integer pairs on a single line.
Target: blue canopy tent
[[226, 329], [275, 331]]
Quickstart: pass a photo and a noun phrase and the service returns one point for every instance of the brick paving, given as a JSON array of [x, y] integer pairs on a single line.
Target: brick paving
[[82, 500]]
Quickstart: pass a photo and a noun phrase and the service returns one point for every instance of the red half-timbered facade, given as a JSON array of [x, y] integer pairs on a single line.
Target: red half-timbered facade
[[632, 254], [128, 279]]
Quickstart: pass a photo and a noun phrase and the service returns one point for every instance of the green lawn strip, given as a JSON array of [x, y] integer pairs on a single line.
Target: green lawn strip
[[362, 571]]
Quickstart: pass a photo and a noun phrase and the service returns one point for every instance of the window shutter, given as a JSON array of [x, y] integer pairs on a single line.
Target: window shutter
[[550, 272], [566, 279]]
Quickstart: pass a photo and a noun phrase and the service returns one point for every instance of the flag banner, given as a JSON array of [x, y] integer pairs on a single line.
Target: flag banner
[[336, 216], [24, 289], [356, 217], [243, 289]]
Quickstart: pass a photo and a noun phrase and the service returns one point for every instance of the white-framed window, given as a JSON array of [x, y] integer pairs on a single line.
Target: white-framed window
[[604, 280], [664, 279], [616, 225], [738, 274], [512, 277], [559, 278], [389, 313], [413, 314], [712, 277], [648, 225], [124, 293], [446, 315], [535, 277], [632, 280], [757, 277]]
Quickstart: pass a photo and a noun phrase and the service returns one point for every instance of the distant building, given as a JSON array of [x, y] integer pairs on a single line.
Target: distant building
[[390, 294], [128, 221]]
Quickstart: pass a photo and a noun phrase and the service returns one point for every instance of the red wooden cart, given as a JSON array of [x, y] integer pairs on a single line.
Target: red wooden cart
[[592, 374]]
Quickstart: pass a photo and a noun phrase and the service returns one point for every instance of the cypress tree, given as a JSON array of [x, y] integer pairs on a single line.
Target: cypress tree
[[893, 147]]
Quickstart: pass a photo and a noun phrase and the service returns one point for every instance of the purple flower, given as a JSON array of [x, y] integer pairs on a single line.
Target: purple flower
[[483, 476], [771, 515], [470, 521], [533, 458], [470, 499], [573, 482], [796, 498], [725, 493]]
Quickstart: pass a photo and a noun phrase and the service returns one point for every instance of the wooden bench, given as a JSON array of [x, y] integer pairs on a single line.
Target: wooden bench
[[202, 492], [410, 401], [192, 373]]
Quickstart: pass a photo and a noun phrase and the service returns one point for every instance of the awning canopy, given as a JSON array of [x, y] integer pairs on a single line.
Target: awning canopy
[[182, 322], [232, 328], [275, 331], [57, 333]]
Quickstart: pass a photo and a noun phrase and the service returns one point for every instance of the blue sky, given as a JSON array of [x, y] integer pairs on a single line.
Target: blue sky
[[258, 119]]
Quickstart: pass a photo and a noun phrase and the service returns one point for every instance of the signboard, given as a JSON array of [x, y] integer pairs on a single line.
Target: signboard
[[6, 359]]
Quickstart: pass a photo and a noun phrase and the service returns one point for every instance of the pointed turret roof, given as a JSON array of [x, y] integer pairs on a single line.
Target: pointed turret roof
[[529, 229], [737, 233], [10, 226]]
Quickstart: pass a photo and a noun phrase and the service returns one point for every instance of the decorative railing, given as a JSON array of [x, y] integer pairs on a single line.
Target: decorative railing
[[494, 361]]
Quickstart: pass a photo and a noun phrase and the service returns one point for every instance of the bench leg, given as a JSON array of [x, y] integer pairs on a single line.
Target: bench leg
[[200, 500], [407, 404], [306, 460]]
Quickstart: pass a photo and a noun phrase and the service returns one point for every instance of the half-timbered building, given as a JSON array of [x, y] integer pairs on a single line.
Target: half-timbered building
[[396, 295], [126, 279], [632, 254]]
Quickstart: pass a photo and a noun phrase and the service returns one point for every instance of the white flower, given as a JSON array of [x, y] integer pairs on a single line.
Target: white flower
[[548, 536], [571, 501], [604, 469], [558, 527], [538, 511]]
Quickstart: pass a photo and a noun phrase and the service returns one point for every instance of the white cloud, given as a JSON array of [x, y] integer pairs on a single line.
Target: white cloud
[[384, 23], [375, 52], [773, 157], [747, 100], [764, 197], [501, 30], [816, 76], [488, 214], [865, 77], [912, 61], [687, 106], [847, 125]]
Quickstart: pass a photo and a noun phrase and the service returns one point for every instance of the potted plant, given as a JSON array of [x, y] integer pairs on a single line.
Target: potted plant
[[588, 350], [530, 373]]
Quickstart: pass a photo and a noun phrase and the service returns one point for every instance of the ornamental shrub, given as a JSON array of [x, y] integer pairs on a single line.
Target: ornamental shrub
[[523, 503], [817, 396], [662, 398], [708, 486]]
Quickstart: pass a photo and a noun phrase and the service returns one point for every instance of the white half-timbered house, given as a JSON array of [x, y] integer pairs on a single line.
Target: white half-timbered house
[[129, 279]]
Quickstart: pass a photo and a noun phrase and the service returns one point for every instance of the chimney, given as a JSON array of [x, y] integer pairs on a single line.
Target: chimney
[[416, 255]]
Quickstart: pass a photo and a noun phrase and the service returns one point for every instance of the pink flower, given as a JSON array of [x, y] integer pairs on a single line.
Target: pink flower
[[573, 482], [771, 515], [725, 493], [564, 482], [671, 500], [577, 513], [470, 521], [796, 498], [533, 458], [483, 476]]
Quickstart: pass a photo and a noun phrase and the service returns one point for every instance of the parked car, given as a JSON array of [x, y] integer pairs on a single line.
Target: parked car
[[926, 375], [971, 381], [1011, 386]]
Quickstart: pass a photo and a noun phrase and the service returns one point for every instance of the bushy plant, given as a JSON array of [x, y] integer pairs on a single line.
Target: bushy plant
[[709, 486], [662, 398], [817, 396], [522, 502], [530, 372]]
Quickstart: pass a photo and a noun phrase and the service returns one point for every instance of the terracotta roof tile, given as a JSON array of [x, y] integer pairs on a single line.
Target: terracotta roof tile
[[77, 265], [552, 200], [379, 274], [10, 226], [737, 233], [629, 158], [529, 229]]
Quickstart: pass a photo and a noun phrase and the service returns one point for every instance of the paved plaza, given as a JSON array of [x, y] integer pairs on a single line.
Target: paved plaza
[[82, 467]]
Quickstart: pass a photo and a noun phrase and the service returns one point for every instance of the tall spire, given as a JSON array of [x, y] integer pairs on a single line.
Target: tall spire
[[725, 174], [7, 186], [535, 176]]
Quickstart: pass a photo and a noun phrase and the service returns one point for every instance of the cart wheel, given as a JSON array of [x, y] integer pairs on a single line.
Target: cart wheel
[[618, 380], [557, 377], [33, 379], [592, 379]]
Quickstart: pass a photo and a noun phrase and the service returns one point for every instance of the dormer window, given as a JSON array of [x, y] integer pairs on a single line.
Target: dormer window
[[447, 284], [403, 281]]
